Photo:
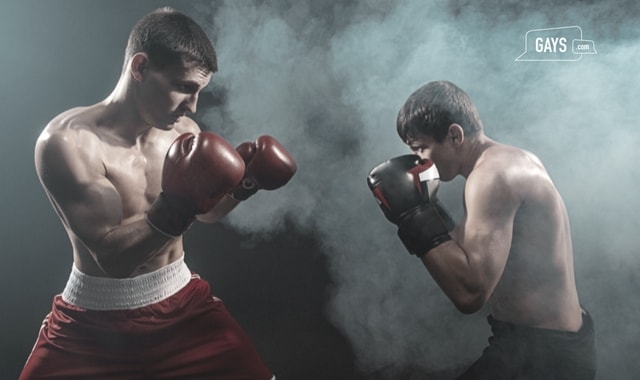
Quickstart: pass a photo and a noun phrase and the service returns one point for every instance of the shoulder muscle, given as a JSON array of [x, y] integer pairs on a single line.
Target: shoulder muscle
[[69, 167]]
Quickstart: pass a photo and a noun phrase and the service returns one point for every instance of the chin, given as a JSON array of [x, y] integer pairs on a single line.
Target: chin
[[165, 126], [446, 178]]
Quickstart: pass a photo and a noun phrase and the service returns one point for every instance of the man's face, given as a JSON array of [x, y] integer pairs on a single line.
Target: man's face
[[442, 154], [168, 94]]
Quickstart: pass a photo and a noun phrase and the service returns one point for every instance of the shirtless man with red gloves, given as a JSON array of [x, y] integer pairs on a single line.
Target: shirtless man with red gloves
[[127, 177]]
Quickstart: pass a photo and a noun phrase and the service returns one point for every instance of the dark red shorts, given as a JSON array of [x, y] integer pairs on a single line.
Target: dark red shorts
[[189, 335]]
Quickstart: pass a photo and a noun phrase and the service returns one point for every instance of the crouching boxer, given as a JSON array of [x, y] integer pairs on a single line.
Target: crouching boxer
[[128, 176], [512, 248]]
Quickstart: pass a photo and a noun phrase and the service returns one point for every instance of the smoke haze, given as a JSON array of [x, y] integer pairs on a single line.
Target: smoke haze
[[327, 79]]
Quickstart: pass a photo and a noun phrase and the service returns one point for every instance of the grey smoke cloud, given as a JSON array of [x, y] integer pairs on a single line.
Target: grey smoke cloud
[[327, 79]]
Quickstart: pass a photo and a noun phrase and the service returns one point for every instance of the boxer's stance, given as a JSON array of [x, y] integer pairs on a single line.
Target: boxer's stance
[[128, 176], [511, 250]]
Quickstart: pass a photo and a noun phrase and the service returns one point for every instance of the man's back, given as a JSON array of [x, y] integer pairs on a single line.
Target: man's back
[[537, 286], [512, 249]]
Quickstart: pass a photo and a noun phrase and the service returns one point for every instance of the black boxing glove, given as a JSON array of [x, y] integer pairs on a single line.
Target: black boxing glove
[[405, 188]]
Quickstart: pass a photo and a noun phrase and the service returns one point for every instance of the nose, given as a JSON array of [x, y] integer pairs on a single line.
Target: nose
[[191, 103], [421, 154]]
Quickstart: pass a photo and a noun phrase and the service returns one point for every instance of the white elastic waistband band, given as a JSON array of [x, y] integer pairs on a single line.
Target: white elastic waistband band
[[99, 293]]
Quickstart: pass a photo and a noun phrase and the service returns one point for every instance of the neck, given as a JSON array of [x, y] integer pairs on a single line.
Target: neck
[[476, 146], [122, 115]]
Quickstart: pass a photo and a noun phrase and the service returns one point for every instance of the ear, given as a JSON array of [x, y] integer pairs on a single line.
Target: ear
[[456, 134], [139, 65]]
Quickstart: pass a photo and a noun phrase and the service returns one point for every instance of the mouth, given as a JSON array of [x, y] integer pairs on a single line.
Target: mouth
[[175, 118]]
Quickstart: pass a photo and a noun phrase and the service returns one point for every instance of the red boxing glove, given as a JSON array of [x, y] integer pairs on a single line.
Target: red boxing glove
[[268, 166], [198, 171]]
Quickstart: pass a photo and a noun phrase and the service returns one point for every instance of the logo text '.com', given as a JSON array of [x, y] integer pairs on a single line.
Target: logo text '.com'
[[556, 44]]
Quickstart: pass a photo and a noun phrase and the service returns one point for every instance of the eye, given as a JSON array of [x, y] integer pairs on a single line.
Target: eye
[[186, 88], [418, 149]]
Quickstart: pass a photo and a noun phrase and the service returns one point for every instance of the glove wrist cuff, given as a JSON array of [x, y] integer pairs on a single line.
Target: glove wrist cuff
[[169, 219], [423, 229], [421, 246], [244, 190]]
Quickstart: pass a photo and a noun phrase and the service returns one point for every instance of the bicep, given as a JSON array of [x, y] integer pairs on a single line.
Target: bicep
[[88, 204], [487, 229]]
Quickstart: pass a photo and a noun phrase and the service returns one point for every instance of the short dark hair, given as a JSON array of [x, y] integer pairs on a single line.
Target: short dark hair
[[169, 37], [432, 108]]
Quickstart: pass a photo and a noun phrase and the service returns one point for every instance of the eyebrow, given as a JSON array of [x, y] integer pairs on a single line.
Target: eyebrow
[[190, 83]]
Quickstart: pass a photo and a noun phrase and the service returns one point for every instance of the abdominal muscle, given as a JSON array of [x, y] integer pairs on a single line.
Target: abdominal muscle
[[84, 260]]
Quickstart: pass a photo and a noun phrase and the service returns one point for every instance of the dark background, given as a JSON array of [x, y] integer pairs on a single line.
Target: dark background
[[313, 272]]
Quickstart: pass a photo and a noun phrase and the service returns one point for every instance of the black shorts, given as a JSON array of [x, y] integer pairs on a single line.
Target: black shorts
[[520, 352]]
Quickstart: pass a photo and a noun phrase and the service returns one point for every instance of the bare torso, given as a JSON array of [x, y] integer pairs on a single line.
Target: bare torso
[[129, 168], [537, 286]]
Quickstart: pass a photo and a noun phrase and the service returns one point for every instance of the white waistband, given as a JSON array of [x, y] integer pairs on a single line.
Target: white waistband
[[99, 293]]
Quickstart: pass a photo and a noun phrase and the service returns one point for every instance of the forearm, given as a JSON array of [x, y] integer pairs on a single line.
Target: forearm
[[127, 247], [220, 210], [455, 272]]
